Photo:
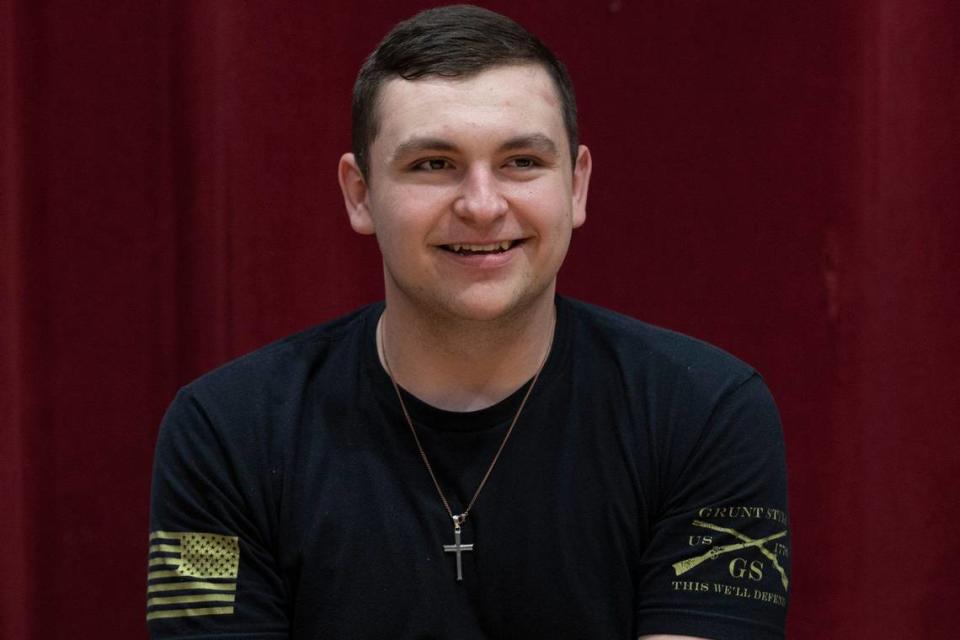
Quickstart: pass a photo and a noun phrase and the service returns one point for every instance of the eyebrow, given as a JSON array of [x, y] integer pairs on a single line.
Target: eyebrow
[[420, 144], [536, 141]]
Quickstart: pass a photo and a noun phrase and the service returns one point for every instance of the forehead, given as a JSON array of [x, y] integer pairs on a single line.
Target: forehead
[[498, 102]]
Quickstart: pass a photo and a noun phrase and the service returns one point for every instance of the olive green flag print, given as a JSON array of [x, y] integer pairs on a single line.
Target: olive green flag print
[[191, 574]]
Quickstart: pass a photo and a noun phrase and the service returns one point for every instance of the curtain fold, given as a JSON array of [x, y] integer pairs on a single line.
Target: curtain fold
[[15, 401]]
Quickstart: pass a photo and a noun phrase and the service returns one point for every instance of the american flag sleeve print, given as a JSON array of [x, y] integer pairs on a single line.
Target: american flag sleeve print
[[191, 574]]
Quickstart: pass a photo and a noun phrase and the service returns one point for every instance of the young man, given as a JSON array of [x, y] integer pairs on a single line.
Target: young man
[[475, 457]]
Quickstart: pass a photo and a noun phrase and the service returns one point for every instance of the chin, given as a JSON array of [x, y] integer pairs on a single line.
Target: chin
[[493, 306]]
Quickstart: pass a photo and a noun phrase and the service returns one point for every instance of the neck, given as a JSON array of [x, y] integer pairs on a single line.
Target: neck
[[462, 365]]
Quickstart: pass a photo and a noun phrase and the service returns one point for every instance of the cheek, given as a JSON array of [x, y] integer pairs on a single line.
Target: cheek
[[545, 200], [401, 237], [413, 215], [549, 216]]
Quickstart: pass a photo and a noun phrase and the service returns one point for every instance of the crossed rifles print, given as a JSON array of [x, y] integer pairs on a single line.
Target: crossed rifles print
[[686, 565]]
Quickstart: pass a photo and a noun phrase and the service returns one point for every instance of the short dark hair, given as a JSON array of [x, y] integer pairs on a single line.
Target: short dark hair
[[453, 41]]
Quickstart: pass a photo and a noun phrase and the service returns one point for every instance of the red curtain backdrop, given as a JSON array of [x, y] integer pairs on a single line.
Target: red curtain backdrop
[[777, 178]]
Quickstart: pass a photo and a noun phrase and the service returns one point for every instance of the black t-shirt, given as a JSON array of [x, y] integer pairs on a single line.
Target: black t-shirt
[[642, 491]]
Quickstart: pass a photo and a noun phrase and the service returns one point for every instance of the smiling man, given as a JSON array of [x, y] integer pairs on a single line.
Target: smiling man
[[472, 192], [476, 456]]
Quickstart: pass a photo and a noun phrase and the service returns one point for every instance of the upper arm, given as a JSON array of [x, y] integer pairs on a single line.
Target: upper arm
[[718, 561], [211, 570]]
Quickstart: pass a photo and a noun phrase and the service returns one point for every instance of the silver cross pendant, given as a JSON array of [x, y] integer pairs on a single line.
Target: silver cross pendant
[[457, 547]]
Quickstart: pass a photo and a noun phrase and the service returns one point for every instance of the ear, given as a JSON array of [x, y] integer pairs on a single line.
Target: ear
[[355, 194], [581, 184]]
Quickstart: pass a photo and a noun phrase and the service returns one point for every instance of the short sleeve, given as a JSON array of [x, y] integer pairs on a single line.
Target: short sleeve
[[211, 571], [718, 565]]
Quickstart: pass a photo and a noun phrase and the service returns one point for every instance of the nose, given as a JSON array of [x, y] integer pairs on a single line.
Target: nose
[[480, 200]]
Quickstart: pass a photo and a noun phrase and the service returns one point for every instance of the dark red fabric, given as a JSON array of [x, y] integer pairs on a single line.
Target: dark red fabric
[[777, 178]]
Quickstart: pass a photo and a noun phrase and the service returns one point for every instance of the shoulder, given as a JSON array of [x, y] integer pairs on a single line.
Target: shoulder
[[696, 412], [274, 374], [650, 354]]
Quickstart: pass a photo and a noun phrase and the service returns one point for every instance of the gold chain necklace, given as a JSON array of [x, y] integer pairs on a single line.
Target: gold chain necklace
[[458, 519]]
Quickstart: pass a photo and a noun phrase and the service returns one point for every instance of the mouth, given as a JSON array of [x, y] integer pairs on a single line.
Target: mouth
[[481, 249]]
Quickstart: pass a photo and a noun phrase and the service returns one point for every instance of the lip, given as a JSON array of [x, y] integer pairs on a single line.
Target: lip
[[481, 260]]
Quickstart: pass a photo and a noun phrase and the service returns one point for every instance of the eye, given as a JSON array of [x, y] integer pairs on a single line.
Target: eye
[[431, 164], [523, 162]]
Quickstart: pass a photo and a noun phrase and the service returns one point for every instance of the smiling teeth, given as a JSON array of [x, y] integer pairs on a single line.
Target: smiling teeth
[[502, 246]]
